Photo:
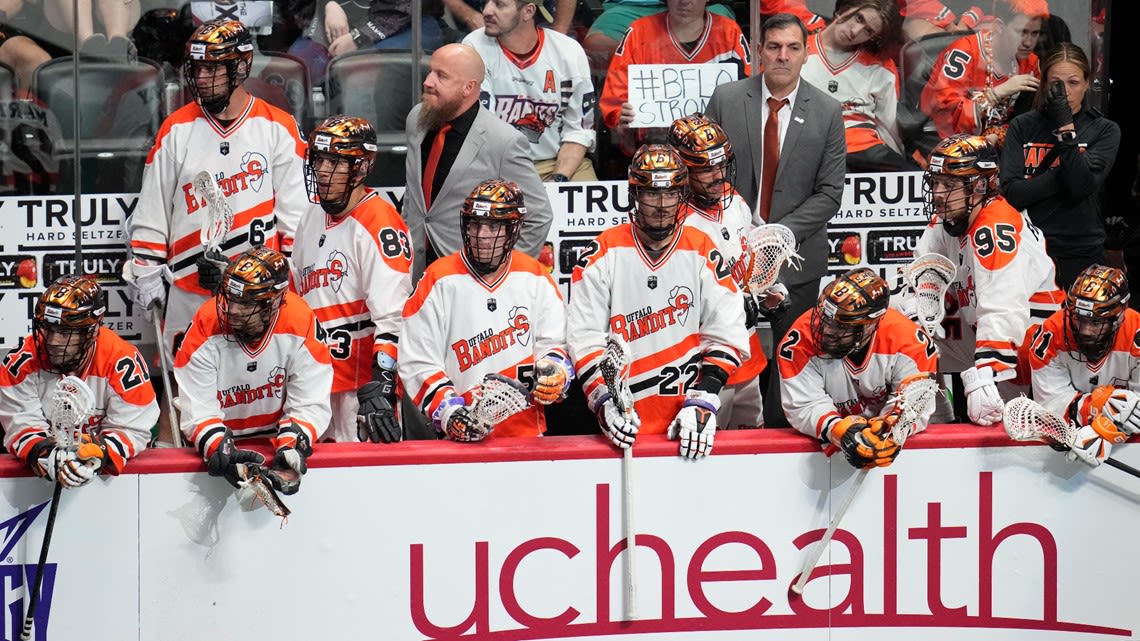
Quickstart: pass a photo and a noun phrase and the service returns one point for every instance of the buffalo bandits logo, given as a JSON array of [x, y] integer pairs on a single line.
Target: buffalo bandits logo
[[244, 394], [254, 168], [331, 275], [489, 342], [528, 116], [647, 320]]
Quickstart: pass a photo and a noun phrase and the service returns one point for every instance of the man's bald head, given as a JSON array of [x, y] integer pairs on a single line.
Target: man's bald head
[[455, 74], [464, 59]]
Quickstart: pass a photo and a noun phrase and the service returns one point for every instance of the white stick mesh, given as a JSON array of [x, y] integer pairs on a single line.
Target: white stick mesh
[[770, 247], [497, 399], [914, 403], [929, 276], [1028, 420], [218, 217], [614, 367], [71, 404]]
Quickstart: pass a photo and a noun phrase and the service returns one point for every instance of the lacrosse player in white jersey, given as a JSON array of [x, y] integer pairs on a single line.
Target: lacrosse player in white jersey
[[1004, 278], [668, 291], [1086, 363], [252, 364], [842, 361], [252, 150], [352, 264], [68, 338], [715, 207], [485, 309]]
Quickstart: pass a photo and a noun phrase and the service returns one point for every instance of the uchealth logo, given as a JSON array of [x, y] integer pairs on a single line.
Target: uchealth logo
[[18, 578]]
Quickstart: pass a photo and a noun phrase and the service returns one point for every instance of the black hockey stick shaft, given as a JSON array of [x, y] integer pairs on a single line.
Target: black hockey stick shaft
[[29, 620], [1123, 467]]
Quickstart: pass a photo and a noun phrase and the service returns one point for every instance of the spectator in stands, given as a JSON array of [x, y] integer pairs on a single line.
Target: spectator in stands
[[1055, 163], [116, 17], [812, 20], [978, 78], [618, 16], [803, 162], [17, 49], [925, 17], [847, 59], [538, 81], [453, 143], [686, 33], [341, 26], [468, 14]]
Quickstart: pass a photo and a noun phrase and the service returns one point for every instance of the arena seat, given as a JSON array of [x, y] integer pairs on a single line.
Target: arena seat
[[7, 81], [282, 77]]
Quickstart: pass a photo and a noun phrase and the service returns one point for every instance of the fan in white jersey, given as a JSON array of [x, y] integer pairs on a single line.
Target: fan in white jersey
[[352, 262], [68, 339], [251, 364], [538, 81], [1004, 277], [842, 362], [252, 151], [485, 309], [1084, 360], [668, 290], [720, 212]]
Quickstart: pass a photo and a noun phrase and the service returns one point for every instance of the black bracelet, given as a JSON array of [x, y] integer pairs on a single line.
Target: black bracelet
[[1065, 136], [560, 178]]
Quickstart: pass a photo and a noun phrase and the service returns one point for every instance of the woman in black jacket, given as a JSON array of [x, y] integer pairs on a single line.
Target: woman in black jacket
[[1055, 161]]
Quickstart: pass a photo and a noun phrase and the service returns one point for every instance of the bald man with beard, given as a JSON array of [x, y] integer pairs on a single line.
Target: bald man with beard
[[453, 145]]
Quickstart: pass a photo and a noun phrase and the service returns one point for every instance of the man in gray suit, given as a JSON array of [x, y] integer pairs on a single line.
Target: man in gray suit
[[810, 171], [453, 145]]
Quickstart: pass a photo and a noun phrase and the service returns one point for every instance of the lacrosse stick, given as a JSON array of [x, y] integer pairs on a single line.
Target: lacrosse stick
[[71, 404], [929, 276], [219, 217], [913, 403], [497, 399], [168, 390], [253, 478], [1028, 420], [770, 247], [614, 367]]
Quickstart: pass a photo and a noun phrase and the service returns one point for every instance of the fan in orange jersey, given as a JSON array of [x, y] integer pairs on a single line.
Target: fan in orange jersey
[[667, 289], [485, 309], [352, 262], [68, 339], [252, 364]]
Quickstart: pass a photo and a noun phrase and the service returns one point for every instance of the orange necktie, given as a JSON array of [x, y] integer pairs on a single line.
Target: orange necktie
[[433, 163], [771, 155]]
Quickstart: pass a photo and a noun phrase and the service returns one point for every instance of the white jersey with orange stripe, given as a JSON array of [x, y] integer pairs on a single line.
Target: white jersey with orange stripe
[[1004, 283], [256, 160], [124, 410], [816, 391], [677, 313], [459, 327], [286, 378], [354, 270], [1061, 377]]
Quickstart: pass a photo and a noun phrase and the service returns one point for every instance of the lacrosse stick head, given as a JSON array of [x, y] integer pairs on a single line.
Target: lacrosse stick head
[[930, 276], [770, 248], [1094, 311], [913, 405], [219, 56], [658, 186], [497, 399], [848, 312], [961, 175], [1027, 420], [253, 287], [707, 153], [218, 217], [340, 155], [253, 478], [614, 367], [65, 323], [72, 401]]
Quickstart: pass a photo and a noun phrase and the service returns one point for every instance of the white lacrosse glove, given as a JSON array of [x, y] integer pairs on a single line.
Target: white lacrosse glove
[[146, 282], [620, 429], [983, 403], [75, 472], [695, 424], [453, 418], [1123, 409], [552, 376], [1089, 447]]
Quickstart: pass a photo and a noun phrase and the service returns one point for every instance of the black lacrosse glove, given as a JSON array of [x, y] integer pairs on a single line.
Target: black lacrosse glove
[[751, 311], [1056, 107], [211, 264], [226, 458], [376, 418]]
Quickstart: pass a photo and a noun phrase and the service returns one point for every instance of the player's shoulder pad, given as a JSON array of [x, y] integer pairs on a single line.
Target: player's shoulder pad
[[445, 267]]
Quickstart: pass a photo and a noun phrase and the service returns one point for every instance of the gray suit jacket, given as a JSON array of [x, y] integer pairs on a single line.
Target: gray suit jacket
[[492, 149], [813, 163]]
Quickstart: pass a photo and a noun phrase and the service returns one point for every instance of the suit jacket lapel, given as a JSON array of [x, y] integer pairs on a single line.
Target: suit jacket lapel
[[792, 137], [415, 158], [754, 126], [472, 144]]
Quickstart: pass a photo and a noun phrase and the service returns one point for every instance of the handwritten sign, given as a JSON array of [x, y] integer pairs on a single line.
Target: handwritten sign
[[662, 93]]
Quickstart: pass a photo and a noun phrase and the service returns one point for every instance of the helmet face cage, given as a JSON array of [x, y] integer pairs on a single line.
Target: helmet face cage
[[960, 176], [253, 288], [705, 148], [341, 152], [1094, 311], [213, 45], [848, 312], [66, 322], [490, 220], [658, 185]]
